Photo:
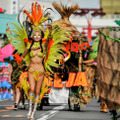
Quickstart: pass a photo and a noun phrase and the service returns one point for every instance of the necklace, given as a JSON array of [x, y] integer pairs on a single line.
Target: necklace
[[36, 45]]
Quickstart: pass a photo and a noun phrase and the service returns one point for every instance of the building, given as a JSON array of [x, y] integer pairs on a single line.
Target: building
[[110, 7]]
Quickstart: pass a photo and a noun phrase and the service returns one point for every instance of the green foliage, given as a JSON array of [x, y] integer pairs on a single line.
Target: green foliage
[[93, 54], [109, 37]]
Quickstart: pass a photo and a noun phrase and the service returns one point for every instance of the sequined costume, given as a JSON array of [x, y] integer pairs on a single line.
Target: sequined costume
[[48, 51]]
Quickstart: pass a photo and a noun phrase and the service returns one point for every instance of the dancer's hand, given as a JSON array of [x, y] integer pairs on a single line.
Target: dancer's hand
[[50, 28], [10, 81]]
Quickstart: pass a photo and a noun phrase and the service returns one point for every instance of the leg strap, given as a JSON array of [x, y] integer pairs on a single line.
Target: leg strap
[[31, 95]]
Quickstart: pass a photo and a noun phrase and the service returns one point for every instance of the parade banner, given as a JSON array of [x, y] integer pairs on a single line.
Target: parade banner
[[74, 79], [73, 47]]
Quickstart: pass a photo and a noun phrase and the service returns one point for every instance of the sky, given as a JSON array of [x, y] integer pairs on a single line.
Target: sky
[[82, 3], [88, 3]]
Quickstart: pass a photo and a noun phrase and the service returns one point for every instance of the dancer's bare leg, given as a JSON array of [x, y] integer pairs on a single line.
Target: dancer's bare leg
[[37, 92], [22, 98], [31, 93], [17, 96], [13, 88]]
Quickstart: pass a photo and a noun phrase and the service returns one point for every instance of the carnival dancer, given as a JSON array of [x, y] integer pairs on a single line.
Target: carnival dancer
[[40, 54], [93, 56], [36, 69], [16, 71]]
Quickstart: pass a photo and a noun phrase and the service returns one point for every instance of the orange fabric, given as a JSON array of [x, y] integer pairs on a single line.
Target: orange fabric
[[105, 107], [101, 106]]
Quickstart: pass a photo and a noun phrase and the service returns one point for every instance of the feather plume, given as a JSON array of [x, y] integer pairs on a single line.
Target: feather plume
[[17, 37], [36, 17], [65, 11], [24, 83], [55, 48]]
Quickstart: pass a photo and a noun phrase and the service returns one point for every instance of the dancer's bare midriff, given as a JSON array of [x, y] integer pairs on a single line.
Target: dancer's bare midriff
[[36, 64]]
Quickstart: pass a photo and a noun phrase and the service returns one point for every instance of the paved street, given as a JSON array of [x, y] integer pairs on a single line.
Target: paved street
[[54, 112]]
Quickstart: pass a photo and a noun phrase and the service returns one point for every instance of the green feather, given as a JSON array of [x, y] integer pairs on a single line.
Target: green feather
[[18, 35]]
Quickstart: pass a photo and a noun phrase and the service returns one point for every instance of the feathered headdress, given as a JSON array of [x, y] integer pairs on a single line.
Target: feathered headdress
[[36, 16]]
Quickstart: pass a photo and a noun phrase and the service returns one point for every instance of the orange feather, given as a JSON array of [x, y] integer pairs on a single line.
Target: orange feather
[[39, 13], [35, 11], [30, 17]]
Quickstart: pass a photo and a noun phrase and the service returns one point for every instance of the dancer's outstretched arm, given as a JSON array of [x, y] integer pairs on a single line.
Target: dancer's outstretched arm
[[25, 52]]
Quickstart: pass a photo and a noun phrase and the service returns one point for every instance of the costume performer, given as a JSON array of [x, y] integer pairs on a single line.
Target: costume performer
[[17, 68], [108, 68], [5, 86], [89, 65], [42, 53]]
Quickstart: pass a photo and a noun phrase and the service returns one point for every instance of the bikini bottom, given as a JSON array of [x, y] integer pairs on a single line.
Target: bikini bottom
[[36, 74]]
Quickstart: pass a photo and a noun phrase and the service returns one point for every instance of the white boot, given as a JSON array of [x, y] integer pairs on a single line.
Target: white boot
[[30, 104], [34, 108]]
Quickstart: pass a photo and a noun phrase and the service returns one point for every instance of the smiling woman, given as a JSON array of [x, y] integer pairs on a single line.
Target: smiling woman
[[36, 69], [40, 53]]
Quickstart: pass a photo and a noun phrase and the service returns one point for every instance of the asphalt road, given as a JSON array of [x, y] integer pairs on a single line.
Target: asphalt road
[[54, 112]]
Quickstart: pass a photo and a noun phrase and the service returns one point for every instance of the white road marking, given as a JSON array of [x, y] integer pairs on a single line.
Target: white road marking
[[50, 113]]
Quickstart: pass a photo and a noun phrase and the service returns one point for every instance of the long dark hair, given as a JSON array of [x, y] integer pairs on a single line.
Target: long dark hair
[[42, 36]]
